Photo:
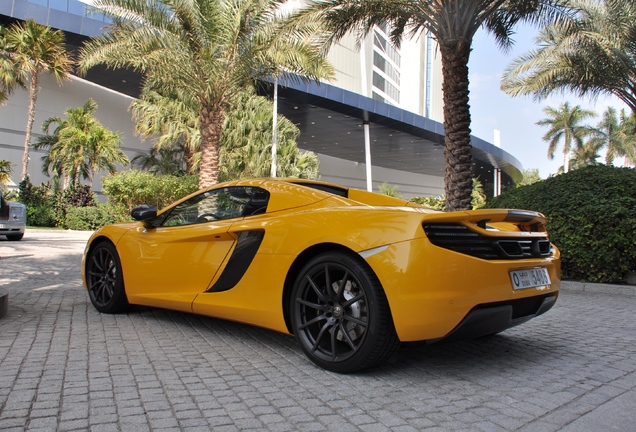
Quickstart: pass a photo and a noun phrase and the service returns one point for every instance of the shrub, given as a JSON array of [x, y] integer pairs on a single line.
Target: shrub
[[94, 217], [434, 202], [74, 196], [132, 188], [41, 215], [39, 202], [591, 218], [439, 202]]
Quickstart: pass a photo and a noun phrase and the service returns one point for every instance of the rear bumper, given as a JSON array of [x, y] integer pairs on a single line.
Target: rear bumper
[[493, 318], [11, 227]]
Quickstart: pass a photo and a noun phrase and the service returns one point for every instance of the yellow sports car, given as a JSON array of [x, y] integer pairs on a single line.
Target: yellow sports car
[[349, 273]]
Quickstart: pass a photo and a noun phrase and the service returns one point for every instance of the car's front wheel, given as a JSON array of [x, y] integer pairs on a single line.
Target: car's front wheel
[[340, 314], [105, 280]]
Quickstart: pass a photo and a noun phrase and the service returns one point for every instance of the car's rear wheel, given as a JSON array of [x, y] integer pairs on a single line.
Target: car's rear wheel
[[15, 237], [340, 314], [105, 280]]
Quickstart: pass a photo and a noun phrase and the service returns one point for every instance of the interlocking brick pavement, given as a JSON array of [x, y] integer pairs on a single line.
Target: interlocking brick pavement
[[64, 366]]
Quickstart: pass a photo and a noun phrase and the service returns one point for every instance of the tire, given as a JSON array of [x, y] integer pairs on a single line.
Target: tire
[[105, 280], [15, 237], [341, 330]]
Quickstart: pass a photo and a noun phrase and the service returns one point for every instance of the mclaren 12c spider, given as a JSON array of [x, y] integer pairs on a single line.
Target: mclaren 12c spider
[[349, 273]]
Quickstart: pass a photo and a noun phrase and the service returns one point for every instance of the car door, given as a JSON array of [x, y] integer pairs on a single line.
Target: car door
[[169, 265]]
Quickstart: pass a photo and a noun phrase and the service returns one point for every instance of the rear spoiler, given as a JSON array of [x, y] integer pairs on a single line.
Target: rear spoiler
[[500, 219]]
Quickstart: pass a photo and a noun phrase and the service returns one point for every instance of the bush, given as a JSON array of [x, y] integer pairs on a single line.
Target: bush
[[74, 196], [591, 218], [39, 202], [433, 202], [132, 188], [41, 215], [438, 202], [94, 217]]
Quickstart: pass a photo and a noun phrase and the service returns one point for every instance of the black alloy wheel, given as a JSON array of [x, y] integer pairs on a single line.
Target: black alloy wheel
[[105, 280], [340, 314]]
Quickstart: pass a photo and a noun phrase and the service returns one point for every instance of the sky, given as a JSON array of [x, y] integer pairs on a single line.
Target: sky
[[515, 118]]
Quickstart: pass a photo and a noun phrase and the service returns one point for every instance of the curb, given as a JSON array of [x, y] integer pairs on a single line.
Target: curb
[[627, 290]]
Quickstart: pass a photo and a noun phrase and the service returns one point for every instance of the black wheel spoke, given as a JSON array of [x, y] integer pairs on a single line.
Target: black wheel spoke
[[347, 304], [343, 284], [327, 280], [334, 341], [355, 320], [312, 321], [323, 329], [317, 290], [350, 341], [317, 306]]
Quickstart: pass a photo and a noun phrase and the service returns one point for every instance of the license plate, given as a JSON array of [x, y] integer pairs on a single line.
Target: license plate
[[530, 278], [4, 226]]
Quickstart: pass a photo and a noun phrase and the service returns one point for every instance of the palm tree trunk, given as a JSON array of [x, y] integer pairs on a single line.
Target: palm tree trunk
[[211, 123], [458, 151], [188, 155], [34, 88]]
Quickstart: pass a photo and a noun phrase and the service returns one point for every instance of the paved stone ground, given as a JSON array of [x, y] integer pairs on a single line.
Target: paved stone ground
[[64, 366]]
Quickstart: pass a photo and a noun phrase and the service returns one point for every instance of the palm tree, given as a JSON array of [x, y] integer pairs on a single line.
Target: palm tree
[[453, 24], [246, 145], [530, 176], [174, 123], [5, 171], [610, 134], [565, 125], [80, 146], [10, 75], [164, 160], [585, 155], [591, 53], [35, 49], [204, 52], [628, 138]]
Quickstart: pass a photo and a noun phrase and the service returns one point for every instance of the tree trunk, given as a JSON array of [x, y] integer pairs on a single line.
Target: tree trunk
[[211, 123], [188, 155], [34, 88], [566, 155], [458, 178]]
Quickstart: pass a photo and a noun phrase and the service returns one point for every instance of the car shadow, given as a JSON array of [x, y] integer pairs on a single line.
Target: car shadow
[[490, 354]]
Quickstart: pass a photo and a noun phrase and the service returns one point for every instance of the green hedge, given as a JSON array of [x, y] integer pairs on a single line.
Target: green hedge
[[92, 218], [132, 188], [591, 218]]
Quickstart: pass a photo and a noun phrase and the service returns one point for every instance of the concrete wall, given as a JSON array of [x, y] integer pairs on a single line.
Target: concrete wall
[[52, 101]]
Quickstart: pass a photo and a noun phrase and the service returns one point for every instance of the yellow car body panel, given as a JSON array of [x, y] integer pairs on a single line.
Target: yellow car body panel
[[172, 265]]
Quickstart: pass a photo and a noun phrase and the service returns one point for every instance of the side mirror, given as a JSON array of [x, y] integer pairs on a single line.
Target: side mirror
[[144, 213]]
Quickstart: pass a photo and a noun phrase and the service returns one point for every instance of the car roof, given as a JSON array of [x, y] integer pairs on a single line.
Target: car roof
[[321, 190]]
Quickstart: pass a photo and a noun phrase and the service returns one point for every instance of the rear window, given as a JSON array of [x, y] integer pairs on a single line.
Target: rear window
[[334, 190]]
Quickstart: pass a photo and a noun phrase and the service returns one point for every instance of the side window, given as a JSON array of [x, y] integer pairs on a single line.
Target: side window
[[219, 204]]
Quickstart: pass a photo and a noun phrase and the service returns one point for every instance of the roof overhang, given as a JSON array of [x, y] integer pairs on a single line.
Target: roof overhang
[[331, 122]]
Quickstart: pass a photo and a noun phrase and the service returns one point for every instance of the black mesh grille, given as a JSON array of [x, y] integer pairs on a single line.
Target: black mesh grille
[[460, 238]]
